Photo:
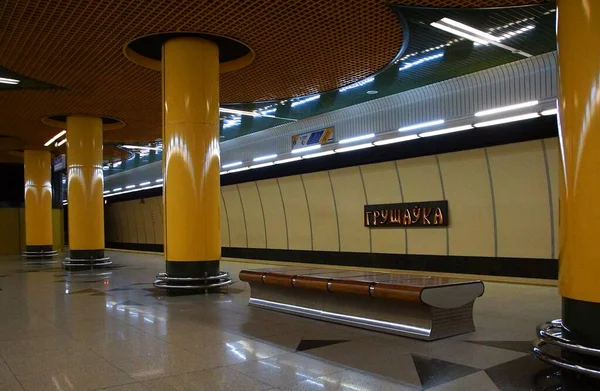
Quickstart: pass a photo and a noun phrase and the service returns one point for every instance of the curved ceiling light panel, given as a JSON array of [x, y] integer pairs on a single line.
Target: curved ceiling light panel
[[483, 113]]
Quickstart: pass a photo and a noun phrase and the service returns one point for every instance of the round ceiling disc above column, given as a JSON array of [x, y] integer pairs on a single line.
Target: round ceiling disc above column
[[60, 121], [147, 50]]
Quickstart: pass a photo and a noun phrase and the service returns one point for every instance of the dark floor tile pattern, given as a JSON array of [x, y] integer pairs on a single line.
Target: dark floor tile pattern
[[433, 372], [307, 344], [518, 346], [522, 374]]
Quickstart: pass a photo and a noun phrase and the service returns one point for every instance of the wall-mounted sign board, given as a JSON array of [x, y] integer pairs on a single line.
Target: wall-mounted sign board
[[321, 136], [60, 163], [409, 214]]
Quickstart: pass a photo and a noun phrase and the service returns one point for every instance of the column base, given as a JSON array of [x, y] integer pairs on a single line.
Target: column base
[[39, 252], [554, 346], [192, 276], [86, 259]]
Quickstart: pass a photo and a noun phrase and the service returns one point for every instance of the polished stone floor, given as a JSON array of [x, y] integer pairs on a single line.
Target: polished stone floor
[[110, 329]]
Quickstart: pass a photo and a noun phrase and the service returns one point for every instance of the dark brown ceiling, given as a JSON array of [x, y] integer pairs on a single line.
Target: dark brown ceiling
[[301, 46]]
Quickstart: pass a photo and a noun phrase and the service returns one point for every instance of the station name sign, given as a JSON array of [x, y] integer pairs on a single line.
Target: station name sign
[[408, 214]]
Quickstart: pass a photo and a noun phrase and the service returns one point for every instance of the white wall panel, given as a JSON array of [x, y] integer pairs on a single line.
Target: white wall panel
[[274, 213], [552, 159], [253, 211], [322, 211], [138, 215], [521, 197], [156, 209], [470, 207], [350, 200], [237, 221], [224, 224], [420, 180], [296, 212], [382, 187]]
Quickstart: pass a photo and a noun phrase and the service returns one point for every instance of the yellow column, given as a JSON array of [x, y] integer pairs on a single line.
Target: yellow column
[[579, 112], [190, 68], [85, 187], [38, 203]]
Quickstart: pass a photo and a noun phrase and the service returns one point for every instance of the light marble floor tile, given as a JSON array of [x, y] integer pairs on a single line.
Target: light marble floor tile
[[51, 360], [286, 369], [161, 365], [87, 377]]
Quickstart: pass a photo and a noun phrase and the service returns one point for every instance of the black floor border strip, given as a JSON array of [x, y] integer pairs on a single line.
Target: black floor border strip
[[486, 266]]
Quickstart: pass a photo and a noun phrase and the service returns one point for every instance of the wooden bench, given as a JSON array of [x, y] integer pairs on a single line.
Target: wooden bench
[[426, 308]]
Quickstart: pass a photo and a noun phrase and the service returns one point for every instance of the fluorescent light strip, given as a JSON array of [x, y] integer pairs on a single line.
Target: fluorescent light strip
[[354, 147], [61, 142], [306, 149], [5, 80], [56, 137], [266, 157], [145, 183], [306, 100], [396, 140], [506, 120], [407, 65], [506, 108], [446, 131], [238, 170], [459, 33], [231, 122], [117, 164], [357, 138], [129, 186], [261, 165], [118, 189], [106, 191], [549, 112], [267, 111], [235, 164], [132, 190], [239, 112], [159, 180], [318, 154], [421, 125], [293, 159], [470, 29], [141, 147], [357, 84]]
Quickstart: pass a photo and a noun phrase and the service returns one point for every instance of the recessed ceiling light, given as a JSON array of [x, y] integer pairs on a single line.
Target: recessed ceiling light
[[421, 125], [240, 112], [266, 157], [372, 92], [5, 80], [357, 138], [56, 137], [506, 108], [506, 120]]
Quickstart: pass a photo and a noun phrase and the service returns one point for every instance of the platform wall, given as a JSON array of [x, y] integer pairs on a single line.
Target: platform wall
[[12, 230], [502, 205]]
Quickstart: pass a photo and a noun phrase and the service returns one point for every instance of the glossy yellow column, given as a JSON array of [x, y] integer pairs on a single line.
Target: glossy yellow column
[[85, 188], [190, 68], [38, 204], [579, 112]]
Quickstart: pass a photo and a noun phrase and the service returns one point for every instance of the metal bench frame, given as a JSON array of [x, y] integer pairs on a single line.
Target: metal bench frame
[[426, 313]]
